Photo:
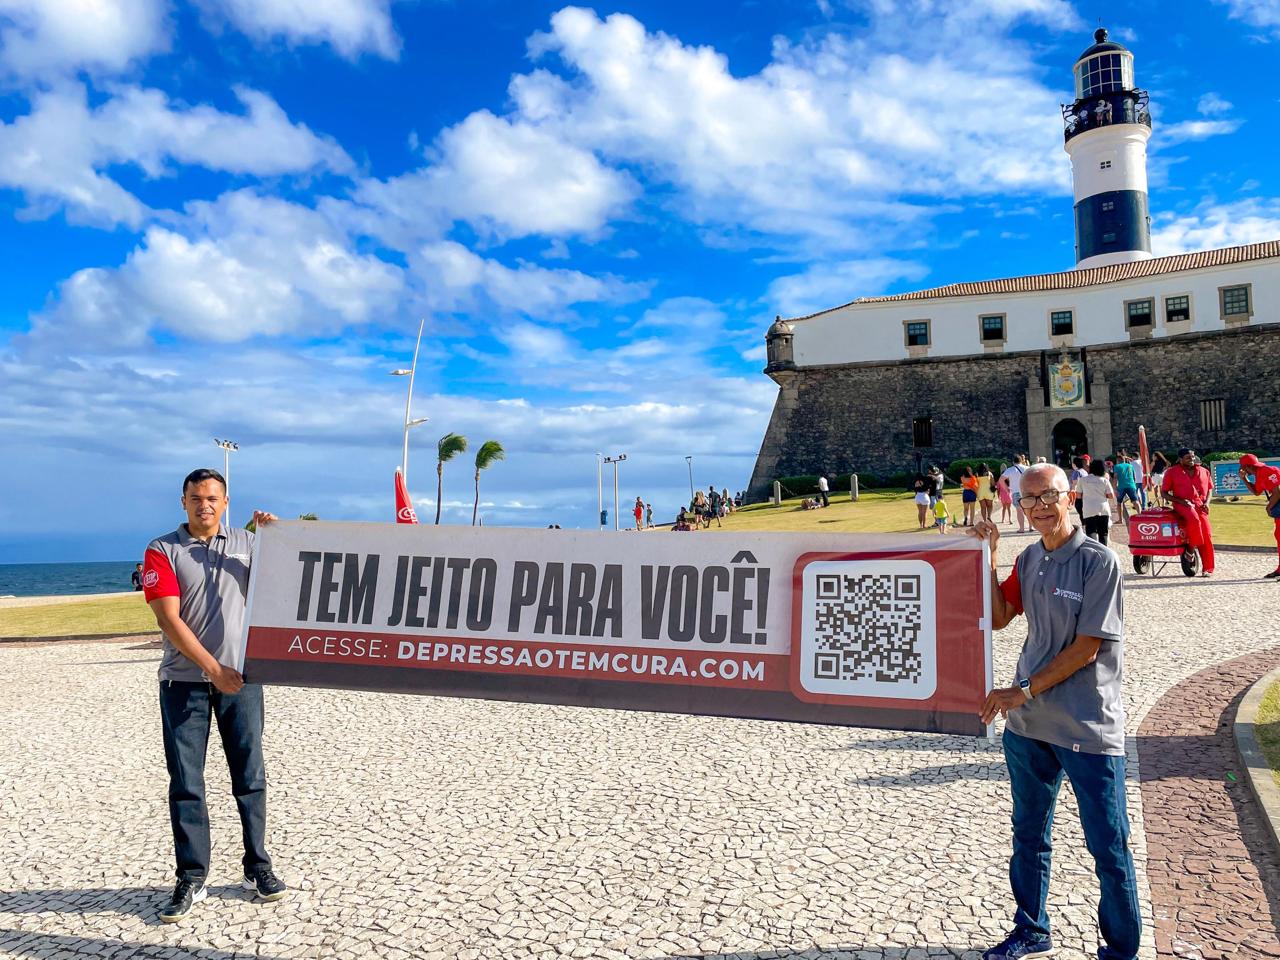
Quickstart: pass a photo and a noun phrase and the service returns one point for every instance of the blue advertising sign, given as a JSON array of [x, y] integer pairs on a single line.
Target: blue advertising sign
[[1226, 477]]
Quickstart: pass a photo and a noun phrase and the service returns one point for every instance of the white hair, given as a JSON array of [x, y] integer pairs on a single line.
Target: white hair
[[1057, 476]]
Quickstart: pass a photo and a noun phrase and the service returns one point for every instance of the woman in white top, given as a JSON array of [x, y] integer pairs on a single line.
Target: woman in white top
[[1096, 495]]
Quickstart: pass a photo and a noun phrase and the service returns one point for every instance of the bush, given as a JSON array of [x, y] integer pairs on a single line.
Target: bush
[[1217, 455], [955, 469], [806, 485]]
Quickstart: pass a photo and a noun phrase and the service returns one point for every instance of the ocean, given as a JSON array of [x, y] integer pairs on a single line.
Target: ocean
[[41, 579]]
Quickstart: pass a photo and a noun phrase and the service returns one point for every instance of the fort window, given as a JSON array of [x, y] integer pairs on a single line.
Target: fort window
[[1138, 313], [1061, 323], [1237, 304], [1104, 165], [992, 328], [1177, 309], [922, 432], [1213, 415], [918, 333], [1108, 204]]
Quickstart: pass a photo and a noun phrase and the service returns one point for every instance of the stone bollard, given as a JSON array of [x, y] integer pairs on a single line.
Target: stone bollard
[[777, 494], [853, 487]]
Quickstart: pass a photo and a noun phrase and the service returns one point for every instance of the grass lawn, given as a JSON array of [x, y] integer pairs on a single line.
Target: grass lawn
[[1267, 729], [1242, 524], [113, 617]]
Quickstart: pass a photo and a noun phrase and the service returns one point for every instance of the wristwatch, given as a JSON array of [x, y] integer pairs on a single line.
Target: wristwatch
[[1025, 687]]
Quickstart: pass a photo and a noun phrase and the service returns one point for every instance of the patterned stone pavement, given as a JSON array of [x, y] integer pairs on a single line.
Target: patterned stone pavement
[[1214, 869], [436, 828]]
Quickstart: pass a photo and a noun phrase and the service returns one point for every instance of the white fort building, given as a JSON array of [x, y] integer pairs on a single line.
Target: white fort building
[[1051, 364]]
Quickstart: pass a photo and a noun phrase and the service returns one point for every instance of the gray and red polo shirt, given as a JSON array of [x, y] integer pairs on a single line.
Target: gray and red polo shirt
[[211, 581]]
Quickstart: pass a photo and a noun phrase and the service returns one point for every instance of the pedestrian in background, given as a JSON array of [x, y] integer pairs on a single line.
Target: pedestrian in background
[[1094, 499], [1263, 480], [968, 496], [823, 490]]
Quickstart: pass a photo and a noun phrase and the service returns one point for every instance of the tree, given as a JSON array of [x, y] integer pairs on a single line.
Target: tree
[[490, 451], [448, 447]]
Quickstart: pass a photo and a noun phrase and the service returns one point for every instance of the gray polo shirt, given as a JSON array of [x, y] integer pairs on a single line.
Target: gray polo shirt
[[1076, 589], [211, 581]]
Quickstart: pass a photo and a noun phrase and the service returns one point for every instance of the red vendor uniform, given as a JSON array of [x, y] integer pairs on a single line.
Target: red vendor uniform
[[1265, 481], [1195, 485]]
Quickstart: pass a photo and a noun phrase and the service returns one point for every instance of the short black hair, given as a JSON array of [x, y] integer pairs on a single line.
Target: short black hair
[[1098, 468], [200, 476]]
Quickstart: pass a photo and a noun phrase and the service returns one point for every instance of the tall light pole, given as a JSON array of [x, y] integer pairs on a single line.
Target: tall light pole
[[409, 421], [228, 448], [689, 461], [615, 461], [599, 490]]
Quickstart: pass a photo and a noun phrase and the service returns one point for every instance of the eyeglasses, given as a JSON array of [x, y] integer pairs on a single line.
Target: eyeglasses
[[1048, 498]]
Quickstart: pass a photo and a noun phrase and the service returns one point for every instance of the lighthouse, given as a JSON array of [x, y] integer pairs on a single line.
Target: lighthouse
[[1107, 129]]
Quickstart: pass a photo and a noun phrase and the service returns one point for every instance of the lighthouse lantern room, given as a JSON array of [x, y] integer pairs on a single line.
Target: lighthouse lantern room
[[1107, 128]]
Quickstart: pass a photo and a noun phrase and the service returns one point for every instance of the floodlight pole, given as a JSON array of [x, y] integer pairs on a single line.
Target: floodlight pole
[[615, 461], [228, 447]]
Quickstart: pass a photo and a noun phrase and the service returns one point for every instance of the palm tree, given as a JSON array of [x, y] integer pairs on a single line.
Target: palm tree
[[489, 452], [448, 447]]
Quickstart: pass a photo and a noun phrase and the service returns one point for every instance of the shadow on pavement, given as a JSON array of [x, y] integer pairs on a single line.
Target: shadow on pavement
[[942, 773], [850, 951], [21, 943], [141, 902], [930, 742], [1139, 581]]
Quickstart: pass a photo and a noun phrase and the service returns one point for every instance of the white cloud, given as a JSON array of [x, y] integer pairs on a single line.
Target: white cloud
[[1192, 130], [825, 285], [1214, 225], [828, 136], [1257, 13], [351, 27], [505, 179], [454, 278], [40, 38], [240, 267], [1211, 103], [55, 153]]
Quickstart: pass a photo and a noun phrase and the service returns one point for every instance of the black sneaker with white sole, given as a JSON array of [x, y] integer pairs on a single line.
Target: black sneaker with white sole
[[186, 894], [263, 882]]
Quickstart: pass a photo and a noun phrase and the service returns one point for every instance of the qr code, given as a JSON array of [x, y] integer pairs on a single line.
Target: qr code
[[867, 629]]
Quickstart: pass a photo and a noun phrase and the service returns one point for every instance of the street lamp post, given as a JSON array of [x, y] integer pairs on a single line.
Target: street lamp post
[[689, 461], [615, 461], [409, 421], [228, 448], [599, 490]]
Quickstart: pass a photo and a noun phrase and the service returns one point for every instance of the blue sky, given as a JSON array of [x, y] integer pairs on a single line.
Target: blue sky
[[224, 218]]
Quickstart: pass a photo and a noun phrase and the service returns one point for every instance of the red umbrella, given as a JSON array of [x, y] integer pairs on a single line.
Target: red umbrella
[[1144, 454], [404, 506]]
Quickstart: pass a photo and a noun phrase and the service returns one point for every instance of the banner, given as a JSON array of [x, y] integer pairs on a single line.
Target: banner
[[1066, 384], [860, 630], [1226, 477]]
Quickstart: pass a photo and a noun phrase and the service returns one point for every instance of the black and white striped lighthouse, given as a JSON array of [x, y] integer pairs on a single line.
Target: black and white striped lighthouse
[[1107, 129]]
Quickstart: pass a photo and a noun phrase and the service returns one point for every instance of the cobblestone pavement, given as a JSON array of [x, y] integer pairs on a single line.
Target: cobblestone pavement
[[437, 828], [1214, 869]]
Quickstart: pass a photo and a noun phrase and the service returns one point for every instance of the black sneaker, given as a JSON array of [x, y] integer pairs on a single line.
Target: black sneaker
[[186, 894], [1019, 946], [1273, 574], [263, 882]]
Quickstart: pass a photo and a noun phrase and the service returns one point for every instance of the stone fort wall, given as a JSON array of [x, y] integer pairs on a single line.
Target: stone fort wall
[[858, 417]]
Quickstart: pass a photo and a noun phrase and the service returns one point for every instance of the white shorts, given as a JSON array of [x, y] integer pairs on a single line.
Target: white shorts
[[922, 499]]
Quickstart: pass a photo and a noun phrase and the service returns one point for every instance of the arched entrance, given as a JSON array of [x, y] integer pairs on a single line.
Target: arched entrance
[[1070, 439]]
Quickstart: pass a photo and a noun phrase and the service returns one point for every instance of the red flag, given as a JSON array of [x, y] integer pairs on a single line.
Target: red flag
[[404, 506]]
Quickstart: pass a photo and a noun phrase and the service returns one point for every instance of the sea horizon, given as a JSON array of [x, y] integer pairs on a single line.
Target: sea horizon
[[66, 578]]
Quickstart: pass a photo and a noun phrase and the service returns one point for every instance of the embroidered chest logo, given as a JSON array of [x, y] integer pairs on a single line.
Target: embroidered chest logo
[[1069, 594]]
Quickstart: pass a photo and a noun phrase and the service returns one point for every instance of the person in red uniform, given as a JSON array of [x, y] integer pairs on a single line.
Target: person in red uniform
[[1264, 481], [1187, 486]]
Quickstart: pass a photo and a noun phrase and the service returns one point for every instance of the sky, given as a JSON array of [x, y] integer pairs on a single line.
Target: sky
[[226, 218]]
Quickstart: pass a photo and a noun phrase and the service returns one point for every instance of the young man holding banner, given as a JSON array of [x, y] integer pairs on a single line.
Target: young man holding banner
[[196, 580], [1065, 716]]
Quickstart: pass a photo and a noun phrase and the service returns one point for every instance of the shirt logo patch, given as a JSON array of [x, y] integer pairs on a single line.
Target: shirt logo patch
[[1069, 594], [150, 578]]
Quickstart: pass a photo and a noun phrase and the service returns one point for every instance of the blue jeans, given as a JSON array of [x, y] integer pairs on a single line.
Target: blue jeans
[[185, 712], [1035, 773]]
